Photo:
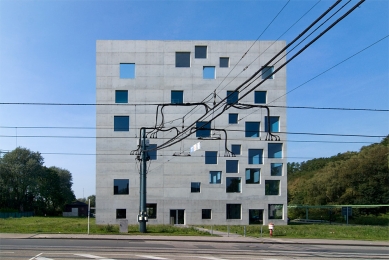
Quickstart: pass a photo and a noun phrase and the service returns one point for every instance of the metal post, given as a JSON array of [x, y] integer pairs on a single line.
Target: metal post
[[88, 213], [306, 213], [142, 189], [228, 231], [244, 231], [261, 230], [347, 214]]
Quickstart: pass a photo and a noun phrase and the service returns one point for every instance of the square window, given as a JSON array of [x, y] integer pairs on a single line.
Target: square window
[[252, 129], [203, 129], [206, 214], [274, 123], [210, 157], [195, 187], [233, 185], [224, 62], [232, 97], [182, 59], [276, 169], [127, 70], [232, 166], [255, 156], [120, 213], [267, 71], [235, 149], [275, 211], [232, 118], [233, 211], [209, 72], [120, 186], [177, 96], [274, 150], [215, 177], [260, 97], [121, 96], [152, 151], [272, 187], [200, 52], [151, 209], [121, 123], [255, 216], [253, 176]]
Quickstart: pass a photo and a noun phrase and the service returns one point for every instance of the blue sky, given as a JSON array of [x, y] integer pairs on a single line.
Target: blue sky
[[47, 54]]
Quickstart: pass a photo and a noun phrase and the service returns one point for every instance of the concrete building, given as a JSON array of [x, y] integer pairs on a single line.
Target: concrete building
[[132, 76]]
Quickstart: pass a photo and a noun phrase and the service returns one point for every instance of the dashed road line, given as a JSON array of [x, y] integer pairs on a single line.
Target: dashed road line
[[152, 257], [94, 256]]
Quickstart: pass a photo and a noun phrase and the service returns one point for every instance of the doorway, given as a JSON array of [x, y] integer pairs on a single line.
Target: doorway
[[177, 216]]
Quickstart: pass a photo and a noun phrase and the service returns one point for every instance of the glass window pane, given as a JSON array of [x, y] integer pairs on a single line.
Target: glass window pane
[[232, 97], [208, 72], [233, 185], [151, 209], [255, 156], [252, 129], [182, 59], [233, 211], [152, 153], [210, 157], [255, 216], [200, 52], [206, 214], [127, 70], [215, 177], [195, 187], [203, 129], [274, 123], [274, 150], [120, 186], [275, 211], [121, 123], [232, 166], [177, 96], [120, 213], [260, 97], [232, 118], [121, 96], [267, 71], [224, 62], [253, 176], [272, 187], [276, 169], [235, 149]]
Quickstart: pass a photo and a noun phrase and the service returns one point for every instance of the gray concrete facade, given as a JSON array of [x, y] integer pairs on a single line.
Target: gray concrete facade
[[151, 79]]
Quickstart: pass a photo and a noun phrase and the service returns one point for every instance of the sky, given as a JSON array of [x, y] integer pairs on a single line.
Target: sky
[[48, 55]]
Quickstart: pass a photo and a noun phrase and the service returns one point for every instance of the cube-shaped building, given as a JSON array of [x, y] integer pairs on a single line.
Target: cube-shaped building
[[229, 164]]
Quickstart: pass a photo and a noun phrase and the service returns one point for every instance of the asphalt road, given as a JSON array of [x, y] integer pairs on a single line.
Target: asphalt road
[[46, 249]]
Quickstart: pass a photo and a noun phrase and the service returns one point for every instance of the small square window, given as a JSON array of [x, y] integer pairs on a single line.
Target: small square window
[[267, 71], [120, 186], [206, 214], [195, 187], [232, 118], [182, 59], [252, 129], [274, 124], [236, 149], [253, 176], [121, 96], [233, 211], [232, 166], [215, 177], [233, 185], [151, 209], [177, 96], [200, 52], [276, 169], [272, 187], [260, 97], [209, 72], [224, 62], [121, 123], [255, 156], [210, 157], [232, 97], [152, 151], [274, 150], [255, 216], [127, 70], [120, 213], [203, 129], [275, 211]]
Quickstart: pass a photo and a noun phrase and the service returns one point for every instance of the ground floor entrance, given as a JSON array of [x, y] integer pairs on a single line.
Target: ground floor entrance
[[177, 216]]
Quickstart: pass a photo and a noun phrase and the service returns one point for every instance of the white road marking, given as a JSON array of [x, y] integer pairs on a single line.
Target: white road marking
[[43, 258], [211, 258], [94, 257], [152, 257], [35, 256]]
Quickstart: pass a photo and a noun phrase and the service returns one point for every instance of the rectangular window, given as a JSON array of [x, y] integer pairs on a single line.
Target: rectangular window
[[236, 149], [276, 169], [253, 176], [200, 52], [127, 70], [121, 123], [232, 97], [182, 59], [120, 213], [232, 118], [255, 156], [210, 157], [152, 151], [177, 96], [195, 187], [267, 71], [120, 186], [252, 129], [209, 72], [274, 124], [224, 62], [272, 187], [151, 209], [255, 216], [215, 177], [233, 211], [260, 97], [233, 185], [274, 150], [232, 166], [206, 214], [121, 96], [275, 211], [203, 129]]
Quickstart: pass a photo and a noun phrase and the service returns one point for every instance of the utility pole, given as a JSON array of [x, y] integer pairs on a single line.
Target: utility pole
[[142, 217]]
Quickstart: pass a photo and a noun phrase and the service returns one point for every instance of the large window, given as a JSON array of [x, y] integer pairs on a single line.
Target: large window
[[233, 211], [276, 169], [253, 176], [120, 213], [232, 166], [233, 185], [255, 216], [195, 187], [252, 129], [274, 123], [236, 149], [260, 97], [200, 52], [232, 97], [272, 187], [152, 151], [206, 214], [255, 156], [274, 150], [267, 71], [210, 157], [127, 70], [121, 123], [177, 96], [209, 72], [121, 96], [182, 59], [232, 118], [224, 62], [151, 209], [275, 211], [203, 129], [215, 177], [120, 186]]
